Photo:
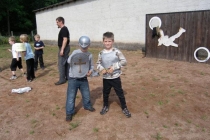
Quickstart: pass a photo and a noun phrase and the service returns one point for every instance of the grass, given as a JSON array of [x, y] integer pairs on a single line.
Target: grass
[[204, 117], [34, 121], [145, 112], [31, 132], [74, 125], [95, 129], [165, 126], [176, 124], [157, 136], [57, 107]]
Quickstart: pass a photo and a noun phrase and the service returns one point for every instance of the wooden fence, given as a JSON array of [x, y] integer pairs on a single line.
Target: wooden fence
[[197, 25]]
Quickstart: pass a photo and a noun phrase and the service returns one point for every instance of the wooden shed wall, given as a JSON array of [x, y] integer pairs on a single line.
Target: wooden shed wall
[[197, 25]]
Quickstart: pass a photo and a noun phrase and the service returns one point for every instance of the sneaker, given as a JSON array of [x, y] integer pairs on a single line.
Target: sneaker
[[59, 83], [13, 77], [68, 118], [91, 109], [126, 112], [24, 75], [104, 110], [29, 80], [42, 68], [33, 78]]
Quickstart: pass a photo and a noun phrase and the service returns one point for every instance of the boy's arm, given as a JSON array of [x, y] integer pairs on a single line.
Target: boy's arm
[[122, 61], [91, 67], [24, 53], [99, 61], [91, 63], [35, 46], [17, 55], [69, 59], [42, 45]]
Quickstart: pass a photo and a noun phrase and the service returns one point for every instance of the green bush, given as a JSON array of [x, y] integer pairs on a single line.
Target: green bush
[[4, 39]]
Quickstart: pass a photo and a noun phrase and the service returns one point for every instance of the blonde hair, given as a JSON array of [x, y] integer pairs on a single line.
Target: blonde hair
[[37, 36], [12, 38], [24, 38], [109, 35]]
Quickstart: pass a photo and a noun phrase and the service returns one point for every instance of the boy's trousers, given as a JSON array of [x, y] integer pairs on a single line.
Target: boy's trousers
[[116, 84]]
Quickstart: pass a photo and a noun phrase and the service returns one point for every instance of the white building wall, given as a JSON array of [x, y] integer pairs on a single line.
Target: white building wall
[[125, 18]]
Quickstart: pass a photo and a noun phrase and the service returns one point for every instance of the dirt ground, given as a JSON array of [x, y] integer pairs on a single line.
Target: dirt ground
[[169, 100]]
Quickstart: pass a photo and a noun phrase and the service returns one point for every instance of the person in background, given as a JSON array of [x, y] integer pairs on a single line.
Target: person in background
[[63, 52], [38, 46], [29, 57], [16, 59]]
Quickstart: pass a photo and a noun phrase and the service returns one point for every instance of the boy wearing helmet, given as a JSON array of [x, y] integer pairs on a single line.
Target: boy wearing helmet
[[81, 65], [110, 61]]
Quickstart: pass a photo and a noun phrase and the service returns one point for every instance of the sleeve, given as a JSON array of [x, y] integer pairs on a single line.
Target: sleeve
[[99, 61], [35, 44], [64, 32], [42, 44], [91, 63], [69, 59], [122, 60]]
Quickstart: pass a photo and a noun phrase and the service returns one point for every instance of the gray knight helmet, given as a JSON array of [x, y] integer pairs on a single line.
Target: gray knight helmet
[[84, 41]]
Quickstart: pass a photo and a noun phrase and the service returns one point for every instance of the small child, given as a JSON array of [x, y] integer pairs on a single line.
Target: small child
[[38, 46], [29, 57], [110, 61], [16, 59], [81, 66]]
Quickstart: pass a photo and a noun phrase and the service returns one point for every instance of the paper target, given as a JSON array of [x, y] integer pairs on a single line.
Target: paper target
[[154, 22], [205, 51]]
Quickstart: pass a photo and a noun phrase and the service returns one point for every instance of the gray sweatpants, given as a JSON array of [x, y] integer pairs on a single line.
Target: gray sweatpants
[[63, 65]]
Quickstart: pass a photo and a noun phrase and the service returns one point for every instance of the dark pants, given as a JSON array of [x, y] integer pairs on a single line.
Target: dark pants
[[63, 65], [40, 58], [16, 64], [30, 69], [116, 84]]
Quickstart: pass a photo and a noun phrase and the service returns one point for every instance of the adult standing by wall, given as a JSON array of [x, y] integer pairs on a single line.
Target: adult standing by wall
[[64, 49]]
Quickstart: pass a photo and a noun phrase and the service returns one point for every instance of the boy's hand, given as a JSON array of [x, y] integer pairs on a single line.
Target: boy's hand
[[89, 73], [110, 70], [104, 71], [17, 59], [9, 50]]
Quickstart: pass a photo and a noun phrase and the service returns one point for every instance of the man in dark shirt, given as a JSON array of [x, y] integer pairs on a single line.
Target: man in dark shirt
[[64, 49]]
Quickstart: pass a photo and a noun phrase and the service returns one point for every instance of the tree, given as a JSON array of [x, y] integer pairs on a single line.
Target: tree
[[19, 15], [6, 8]]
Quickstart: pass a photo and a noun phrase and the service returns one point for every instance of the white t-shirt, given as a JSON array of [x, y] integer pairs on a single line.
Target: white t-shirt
[[14, 53]]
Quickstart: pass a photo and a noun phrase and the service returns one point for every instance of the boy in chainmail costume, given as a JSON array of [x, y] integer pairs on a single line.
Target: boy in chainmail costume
[[110, 61]]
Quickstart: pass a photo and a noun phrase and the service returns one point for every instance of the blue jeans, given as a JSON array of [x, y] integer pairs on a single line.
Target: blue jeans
[[73, 86]]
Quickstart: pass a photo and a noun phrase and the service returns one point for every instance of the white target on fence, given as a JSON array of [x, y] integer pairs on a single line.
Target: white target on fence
[[202, 54], [154, 22]]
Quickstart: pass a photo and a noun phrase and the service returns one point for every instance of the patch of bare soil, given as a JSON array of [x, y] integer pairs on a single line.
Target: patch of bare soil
[[169, 100]]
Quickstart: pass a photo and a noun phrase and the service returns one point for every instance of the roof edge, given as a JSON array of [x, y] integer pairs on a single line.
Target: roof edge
[[54, 5]]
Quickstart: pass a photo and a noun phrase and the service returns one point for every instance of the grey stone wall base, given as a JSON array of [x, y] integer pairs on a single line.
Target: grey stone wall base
[[123, 46]]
